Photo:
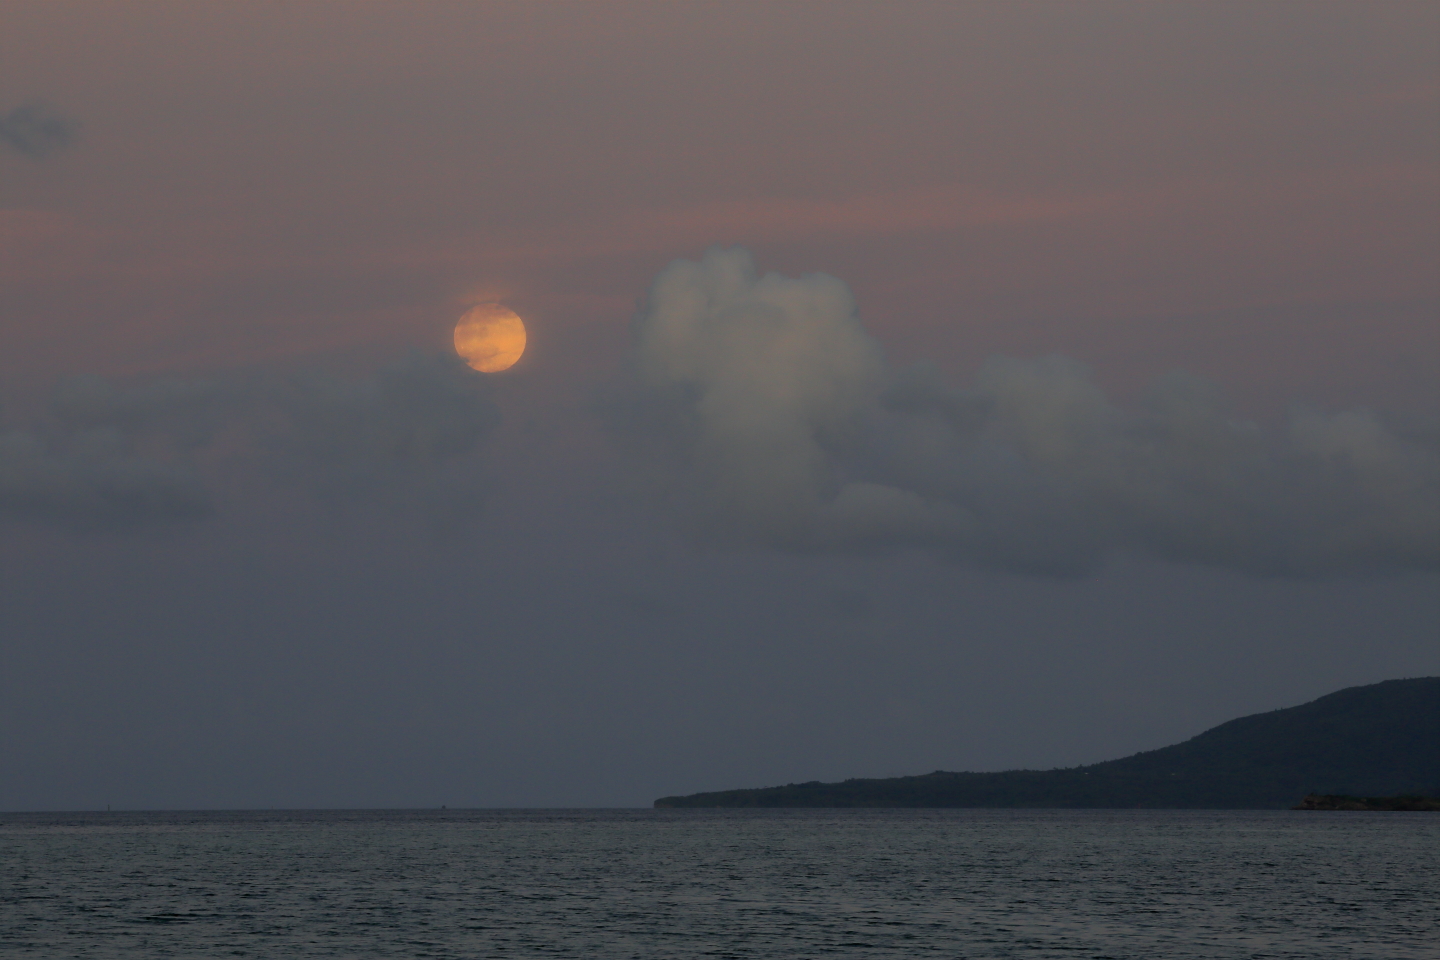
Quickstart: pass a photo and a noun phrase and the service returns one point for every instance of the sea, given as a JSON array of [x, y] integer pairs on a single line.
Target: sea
[[661, 884]]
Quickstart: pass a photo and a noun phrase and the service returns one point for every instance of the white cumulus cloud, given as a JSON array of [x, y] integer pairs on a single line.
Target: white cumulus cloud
[[778, 421]]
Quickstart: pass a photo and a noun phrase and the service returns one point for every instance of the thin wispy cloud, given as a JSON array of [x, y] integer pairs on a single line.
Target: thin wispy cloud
[[37, 130]]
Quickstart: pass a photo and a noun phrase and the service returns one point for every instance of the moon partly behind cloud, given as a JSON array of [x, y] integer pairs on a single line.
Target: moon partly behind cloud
[[490, 337]]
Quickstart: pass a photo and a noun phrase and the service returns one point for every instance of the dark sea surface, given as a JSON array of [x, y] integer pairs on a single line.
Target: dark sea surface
[[722, 883]]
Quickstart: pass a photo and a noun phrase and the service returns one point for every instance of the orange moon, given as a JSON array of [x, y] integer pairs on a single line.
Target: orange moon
[[490, 337]]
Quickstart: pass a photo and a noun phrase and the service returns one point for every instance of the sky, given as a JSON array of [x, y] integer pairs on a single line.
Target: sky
[[936, 386]]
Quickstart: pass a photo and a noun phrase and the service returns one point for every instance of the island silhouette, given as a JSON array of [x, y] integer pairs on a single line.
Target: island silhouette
[[1380, 740]]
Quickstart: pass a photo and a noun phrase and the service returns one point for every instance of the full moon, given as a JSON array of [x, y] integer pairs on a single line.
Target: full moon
[[490, 337]]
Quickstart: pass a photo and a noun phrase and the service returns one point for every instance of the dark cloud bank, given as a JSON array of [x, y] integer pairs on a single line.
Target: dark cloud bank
[[108, 457], [775, 419]]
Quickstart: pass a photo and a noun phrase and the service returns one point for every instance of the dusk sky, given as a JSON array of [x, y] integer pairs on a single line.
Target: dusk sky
[[914, 386]]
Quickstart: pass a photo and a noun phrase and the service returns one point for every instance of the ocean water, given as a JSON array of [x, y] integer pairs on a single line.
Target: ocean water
[[717, 884]]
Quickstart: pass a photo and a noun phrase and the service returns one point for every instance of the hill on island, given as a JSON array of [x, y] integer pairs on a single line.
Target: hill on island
[[1371, 741]]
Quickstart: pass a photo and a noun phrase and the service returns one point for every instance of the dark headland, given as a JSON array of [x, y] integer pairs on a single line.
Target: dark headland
[[1381, 740]]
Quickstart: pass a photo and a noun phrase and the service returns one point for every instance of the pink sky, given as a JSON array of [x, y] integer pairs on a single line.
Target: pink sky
[[328, 576], [1249, 192]]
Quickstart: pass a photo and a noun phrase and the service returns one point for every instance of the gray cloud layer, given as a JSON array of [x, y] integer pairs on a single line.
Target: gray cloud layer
[[36, 130], [108, 456], [778, 421]]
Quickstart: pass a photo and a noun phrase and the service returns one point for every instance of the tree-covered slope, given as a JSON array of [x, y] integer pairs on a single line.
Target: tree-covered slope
[[1377, 740]]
